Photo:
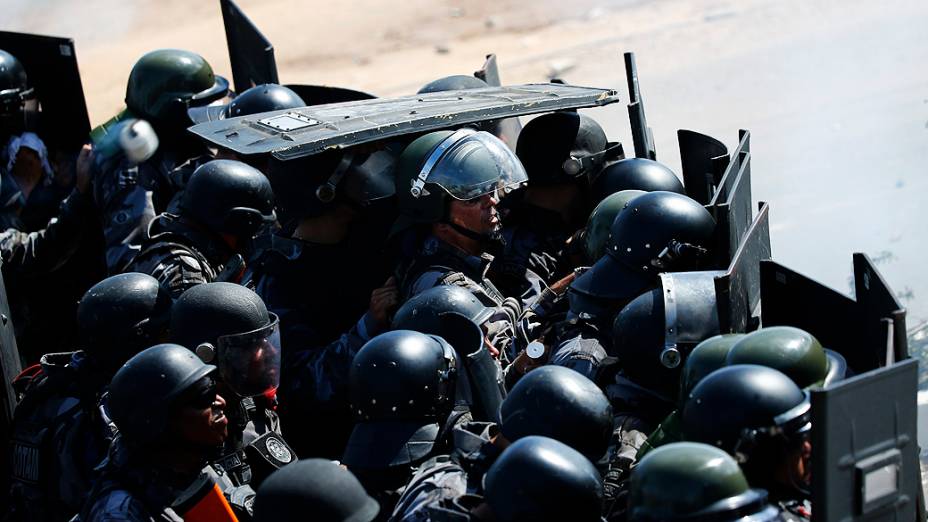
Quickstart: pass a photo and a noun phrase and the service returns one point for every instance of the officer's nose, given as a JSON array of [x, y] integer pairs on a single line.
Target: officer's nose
[[219, 402]]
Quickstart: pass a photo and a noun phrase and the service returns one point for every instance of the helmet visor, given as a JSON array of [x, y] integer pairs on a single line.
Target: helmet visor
[[469, 164], [249, 363]]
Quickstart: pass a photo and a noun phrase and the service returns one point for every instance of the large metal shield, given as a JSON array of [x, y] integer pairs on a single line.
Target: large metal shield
[[864, 451], [700, 157], [250, 53], [296, 133], [51, 65], [738, 291]]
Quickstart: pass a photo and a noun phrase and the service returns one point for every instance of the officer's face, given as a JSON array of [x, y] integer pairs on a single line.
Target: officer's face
[[201, 420], [478, 214]]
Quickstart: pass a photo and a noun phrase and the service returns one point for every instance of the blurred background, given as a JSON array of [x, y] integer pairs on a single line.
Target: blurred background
[[835, 93]]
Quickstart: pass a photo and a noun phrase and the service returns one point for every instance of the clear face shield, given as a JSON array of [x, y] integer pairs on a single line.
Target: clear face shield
[[249, 363], [469, 164]]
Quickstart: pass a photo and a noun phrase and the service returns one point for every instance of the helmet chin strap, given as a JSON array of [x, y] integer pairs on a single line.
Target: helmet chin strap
[[492, 238]]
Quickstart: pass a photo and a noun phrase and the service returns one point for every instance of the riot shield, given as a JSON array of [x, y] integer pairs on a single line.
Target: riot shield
[[864, 456], [51, 66], [863, 331], [251, 55], [885, 316], [641, 133], [733, 215], [508, 129], [700, 157], [732, 169], [738, 291], [10, 365], [291, 134]]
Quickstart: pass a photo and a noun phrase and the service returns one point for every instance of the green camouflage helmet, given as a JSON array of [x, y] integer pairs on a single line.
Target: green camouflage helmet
[[706, 357], [600, 222], [692, 481], [464, 164], [164, 83], [790, 350]]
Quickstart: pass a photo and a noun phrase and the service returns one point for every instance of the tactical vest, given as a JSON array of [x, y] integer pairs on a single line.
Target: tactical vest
[[53, 435], [455, 267]]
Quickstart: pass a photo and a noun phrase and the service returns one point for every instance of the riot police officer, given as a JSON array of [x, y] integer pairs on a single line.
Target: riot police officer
[[228, 324], [404, 391], [448, 185], [684, 480], [536, 478], [762, 418], [656, 232], [162, 85], [598, 226], [158, 457], [58, 419], [223, 206], [315, 488], [550, 402], [561, 152], [793, 351]]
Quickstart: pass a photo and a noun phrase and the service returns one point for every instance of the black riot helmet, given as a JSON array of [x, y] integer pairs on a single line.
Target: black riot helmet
[[122, 315], [361, 177], [145, 391], [541, 479], [687, 482], [423, 312], [561, 147], [653, 334], [756, 414], [656, 232], [635, 174], [228, 197], [14, 85], [455, 82], [562, 404], [229, 325], [164, 83], [260, 98], [316, 487], [401, 388]]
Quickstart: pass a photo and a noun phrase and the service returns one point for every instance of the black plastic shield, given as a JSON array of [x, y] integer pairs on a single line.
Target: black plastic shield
[[730, 174], [641, 133], [10, 365], [733, 215], [700, 157], [864, 456], [51, 65], [884, 315], [296, 133], [858, 332], [508, 129], [250, 53], [739, 290]]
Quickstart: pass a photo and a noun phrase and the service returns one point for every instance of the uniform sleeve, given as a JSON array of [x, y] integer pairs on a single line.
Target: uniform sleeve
[[42, 251], [118, 505], [317, 377], [437, 480]]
